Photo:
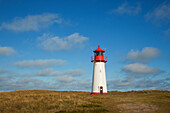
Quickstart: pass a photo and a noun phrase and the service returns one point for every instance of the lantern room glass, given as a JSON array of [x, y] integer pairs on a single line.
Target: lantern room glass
[[98, 53]]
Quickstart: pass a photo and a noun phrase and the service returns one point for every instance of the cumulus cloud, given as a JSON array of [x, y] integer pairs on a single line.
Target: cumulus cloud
[[149, 84], [66, 83], [50, 43], [141, 69], [4, 71], [25, 84], [47, 72], [32, 22], [125, 8], [29, 81], [120, 84], [145, 55], [40, 63], [160, 13], [6, 51], [44, 72], [50, 72], [66, 78], [144, 84], [78, 85], [2, 79], [75, 72]]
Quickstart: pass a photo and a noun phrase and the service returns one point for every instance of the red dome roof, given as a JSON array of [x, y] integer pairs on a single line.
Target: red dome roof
[[99, 49]]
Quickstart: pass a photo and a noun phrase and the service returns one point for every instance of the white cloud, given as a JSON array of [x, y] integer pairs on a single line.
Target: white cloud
[[75, 72], [25, 84], [120, 84], [142, 84], [2, 79], [67, 83], [76, 38], [140, 69], [31, 22], [40, 63], [66, 78], [78, 85], [55, 73], [6, 51], [145, 55], [50, 72], [160, 13], [47, 72], [4, 71], [44, 72], [55, 43], [125, 8]]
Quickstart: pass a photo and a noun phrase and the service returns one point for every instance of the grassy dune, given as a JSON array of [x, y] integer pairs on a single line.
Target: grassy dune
[[43, 101]]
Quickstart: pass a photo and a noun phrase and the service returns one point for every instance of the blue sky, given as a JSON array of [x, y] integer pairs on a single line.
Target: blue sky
[[48, 44]]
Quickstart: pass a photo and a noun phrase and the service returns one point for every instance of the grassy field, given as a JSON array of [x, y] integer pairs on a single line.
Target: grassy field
[[43, 101]]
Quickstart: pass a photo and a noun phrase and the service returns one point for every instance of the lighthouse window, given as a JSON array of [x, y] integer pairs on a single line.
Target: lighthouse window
[[99, 53], [96, 54]]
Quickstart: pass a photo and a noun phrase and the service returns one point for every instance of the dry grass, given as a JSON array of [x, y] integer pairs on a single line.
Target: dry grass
[[43, 101]]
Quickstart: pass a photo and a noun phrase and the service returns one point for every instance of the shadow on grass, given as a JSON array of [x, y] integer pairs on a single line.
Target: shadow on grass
[[88, 105], [101, 110], [74, 111]]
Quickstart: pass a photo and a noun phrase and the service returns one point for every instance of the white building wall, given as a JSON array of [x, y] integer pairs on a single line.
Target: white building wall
[[99, 77]]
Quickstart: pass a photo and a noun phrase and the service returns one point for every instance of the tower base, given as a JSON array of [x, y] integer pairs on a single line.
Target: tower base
[[97, 93]]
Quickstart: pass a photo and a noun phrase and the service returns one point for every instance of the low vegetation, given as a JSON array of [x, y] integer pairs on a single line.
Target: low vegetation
[[43, 101]]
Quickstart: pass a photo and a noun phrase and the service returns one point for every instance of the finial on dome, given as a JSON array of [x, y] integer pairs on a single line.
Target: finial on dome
[[99, 46]]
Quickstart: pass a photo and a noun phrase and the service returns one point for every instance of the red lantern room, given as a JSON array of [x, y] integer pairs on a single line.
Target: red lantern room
[[99, 55]]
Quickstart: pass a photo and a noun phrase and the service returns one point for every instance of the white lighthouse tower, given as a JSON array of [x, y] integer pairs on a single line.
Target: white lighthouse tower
[[99, 85]]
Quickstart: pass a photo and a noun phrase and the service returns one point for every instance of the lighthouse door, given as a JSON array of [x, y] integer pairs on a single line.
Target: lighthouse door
[[101, 90]]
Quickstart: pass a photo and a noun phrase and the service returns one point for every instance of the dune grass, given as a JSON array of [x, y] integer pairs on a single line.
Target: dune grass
[[44, 101]]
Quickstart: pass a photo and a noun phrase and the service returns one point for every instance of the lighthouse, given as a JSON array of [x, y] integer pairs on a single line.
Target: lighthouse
[[99, 85]]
